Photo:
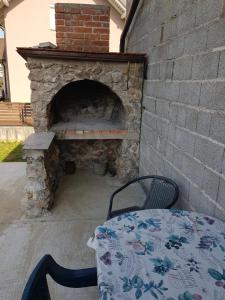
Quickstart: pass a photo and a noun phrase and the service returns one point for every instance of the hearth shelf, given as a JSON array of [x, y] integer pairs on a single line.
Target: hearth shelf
[[90, 129]]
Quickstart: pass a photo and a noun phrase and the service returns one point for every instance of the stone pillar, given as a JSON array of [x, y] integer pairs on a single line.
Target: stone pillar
[[43, 172], [127, 163]]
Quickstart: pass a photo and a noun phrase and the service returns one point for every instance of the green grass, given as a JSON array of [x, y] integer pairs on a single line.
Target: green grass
[[10, 151]]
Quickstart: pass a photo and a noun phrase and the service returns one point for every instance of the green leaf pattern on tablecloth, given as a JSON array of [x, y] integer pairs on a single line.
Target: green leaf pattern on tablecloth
[[161, 254]]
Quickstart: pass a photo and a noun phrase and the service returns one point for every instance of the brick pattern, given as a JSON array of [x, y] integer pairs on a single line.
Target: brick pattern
[[82, 27], [183, 124]]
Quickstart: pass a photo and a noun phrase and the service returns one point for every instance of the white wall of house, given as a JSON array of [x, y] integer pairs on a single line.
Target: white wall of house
[[27, 23], [1, 71]]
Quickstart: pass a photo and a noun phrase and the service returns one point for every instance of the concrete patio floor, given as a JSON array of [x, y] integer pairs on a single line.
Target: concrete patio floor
[[81, 204]]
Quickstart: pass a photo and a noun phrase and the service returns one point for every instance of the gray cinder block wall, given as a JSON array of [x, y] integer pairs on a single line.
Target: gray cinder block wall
[[183, 120]]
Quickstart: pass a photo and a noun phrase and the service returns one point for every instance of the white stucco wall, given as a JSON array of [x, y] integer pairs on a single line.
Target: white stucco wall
[[27, 23]]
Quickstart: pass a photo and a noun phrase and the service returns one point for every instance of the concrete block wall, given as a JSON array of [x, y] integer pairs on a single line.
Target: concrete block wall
[[183, 120]]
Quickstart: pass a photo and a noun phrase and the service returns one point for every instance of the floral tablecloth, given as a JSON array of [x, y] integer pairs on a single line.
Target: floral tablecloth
[[161, 254]]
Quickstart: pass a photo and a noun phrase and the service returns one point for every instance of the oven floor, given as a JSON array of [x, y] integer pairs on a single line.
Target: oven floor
[[81, 204], [88, 124], [90, 129]]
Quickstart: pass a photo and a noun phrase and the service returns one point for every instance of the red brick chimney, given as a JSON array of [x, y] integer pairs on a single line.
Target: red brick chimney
[[82, 27]]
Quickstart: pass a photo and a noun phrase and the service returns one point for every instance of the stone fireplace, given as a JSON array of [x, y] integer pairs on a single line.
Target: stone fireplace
[[91, 105], [86, 108]]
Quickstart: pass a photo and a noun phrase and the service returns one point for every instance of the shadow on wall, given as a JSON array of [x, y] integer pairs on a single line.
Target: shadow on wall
[[11, 152]]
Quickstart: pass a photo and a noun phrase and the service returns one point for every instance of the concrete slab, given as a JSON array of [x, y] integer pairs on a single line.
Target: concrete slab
[[86, 196], [81, 204], [22, 245], [12, 181]]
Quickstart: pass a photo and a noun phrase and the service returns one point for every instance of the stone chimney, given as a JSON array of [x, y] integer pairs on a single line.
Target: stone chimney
[[82, 27]]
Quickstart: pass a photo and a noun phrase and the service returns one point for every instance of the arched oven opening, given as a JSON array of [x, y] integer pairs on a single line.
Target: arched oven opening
[[86, 105], [90, 123]]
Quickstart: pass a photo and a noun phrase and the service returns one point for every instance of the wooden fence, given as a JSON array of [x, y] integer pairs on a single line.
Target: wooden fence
[[15, 114]]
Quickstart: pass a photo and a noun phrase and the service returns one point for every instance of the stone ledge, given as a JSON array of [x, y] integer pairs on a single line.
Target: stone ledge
[[86, 56], [71, 134], [39, 141]]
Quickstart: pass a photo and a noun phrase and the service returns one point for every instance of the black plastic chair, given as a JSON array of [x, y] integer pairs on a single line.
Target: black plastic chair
[[161, 192], [37, 286]]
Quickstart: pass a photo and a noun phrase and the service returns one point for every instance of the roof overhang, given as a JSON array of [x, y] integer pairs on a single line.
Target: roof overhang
[[119, 5], [4, 3]]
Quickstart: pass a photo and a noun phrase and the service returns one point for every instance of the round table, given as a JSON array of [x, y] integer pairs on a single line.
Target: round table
[[161, 254]]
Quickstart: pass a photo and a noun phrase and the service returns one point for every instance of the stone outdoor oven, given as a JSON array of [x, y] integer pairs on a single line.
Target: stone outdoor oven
[[86, 107]]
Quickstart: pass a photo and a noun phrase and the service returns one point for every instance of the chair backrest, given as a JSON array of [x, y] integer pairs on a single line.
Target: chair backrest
[[162, 193], [37, 286]]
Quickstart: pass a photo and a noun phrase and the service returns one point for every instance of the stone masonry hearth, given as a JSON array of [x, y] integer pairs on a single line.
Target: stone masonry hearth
[[86, 105], [92, 105]]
